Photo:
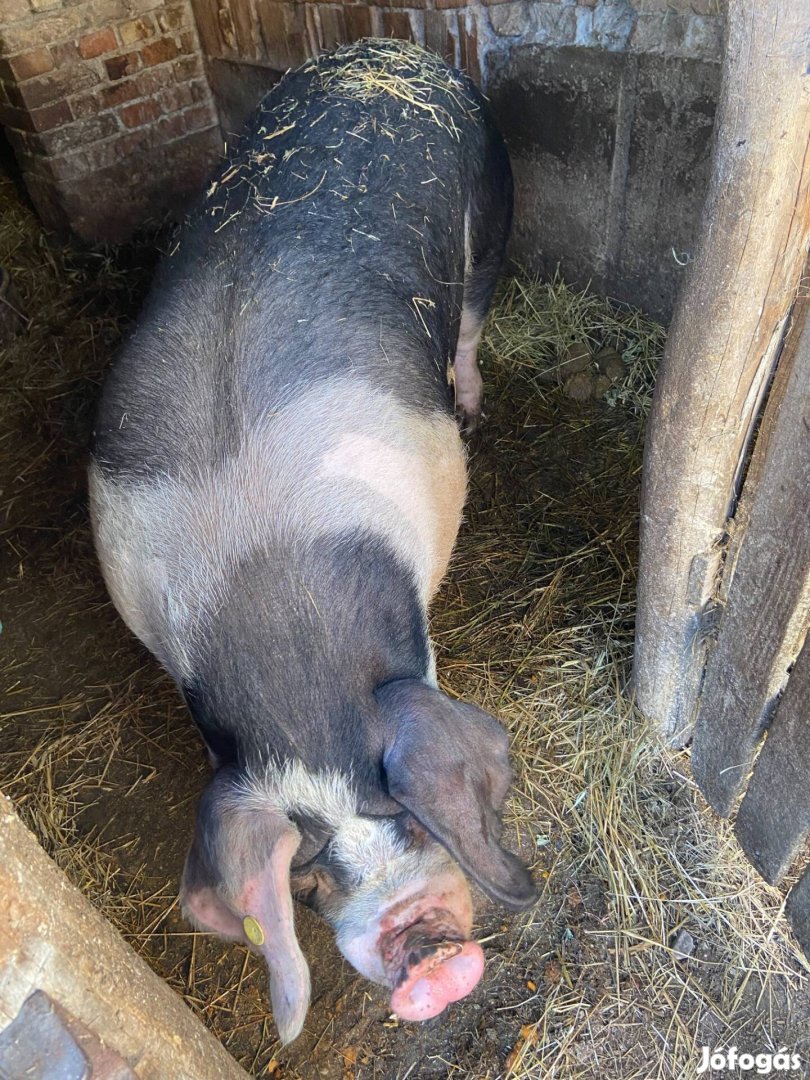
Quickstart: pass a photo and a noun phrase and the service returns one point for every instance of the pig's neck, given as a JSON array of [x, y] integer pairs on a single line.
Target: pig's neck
[[296, 648]]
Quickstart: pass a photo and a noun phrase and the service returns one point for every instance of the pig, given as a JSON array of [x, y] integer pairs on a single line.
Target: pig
[[276, 485]]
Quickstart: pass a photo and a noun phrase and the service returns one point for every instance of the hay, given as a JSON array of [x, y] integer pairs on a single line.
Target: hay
[[535, 622], [371, 68]]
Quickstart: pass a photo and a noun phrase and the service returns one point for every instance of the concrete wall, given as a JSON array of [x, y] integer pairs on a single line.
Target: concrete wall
[[607, 106]]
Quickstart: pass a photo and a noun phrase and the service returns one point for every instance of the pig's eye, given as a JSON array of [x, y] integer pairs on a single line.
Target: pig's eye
[[314, 839]]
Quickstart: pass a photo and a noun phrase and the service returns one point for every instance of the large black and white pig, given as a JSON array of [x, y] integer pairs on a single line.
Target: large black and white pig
[[277, 483]]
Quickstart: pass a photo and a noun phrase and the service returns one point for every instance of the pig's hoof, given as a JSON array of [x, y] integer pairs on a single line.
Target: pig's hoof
[[468, 420], [438, 980]]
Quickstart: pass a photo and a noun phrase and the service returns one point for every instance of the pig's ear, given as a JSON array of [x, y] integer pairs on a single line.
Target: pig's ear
[[237, 883], [447, 763]]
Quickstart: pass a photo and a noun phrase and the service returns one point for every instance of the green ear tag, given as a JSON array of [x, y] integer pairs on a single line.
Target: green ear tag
[[253, 931]]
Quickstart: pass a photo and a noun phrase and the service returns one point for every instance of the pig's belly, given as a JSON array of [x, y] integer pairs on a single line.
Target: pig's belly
[[338, 461]]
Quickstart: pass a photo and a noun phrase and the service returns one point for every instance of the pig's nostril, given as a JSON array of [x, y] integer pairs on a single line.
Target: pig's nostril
[[434, 983]]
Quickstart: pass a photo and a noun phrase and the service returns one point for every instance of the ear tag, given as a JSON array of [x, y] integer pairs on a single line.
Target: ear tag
[[253, 930]]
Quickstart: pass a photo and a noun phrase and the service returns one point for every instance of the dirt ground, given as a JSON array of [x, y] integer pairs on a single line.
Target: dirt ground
[[534, 622]]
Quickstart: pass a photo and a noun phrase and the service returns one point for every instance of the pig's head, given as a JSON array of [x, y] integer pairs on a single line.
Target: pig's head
[[381, 866]]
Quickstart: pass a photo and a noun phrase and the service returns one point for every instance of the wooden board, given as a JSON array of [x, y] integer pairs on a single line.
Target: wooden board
[[798, 911], [721, 349], [773, 822], [52, 939], [766, 614]]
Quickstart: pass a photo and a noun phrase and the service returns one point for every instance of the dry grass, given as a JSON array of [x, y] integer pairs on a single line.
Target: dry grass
[[535, 622], [401, 70]]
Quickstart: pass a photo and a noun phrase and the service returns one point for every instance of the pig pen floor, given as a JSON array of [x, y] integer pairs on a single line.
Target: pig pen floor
[[534, 622]]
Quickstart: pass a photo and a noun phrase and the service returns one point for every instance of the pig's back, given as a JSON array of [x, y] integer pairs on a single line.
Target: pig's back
[[331, 243]]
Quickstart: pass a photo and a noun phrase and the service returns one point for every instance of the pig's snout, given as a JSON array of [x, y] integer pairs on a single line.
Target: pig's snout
[[435, 974], [417, 941]]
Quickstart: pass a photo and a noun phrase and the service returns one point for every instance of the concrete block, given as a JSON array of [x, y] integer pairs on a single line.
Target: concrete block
[[667, 172], [558, 109]]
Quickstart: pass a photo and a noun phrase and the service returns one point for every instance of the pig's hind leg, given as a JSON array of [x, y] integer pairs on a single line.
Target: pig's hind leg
[[486, 230]]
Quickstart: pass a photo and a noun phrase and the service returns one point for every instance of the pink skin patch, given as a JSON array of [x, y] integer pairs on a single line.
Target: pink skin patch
[[447, 975], [417, 945]]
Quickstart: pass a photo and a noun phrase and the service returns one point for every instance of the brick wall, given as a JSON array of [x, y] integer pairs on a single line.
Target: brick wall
[[107, 107]]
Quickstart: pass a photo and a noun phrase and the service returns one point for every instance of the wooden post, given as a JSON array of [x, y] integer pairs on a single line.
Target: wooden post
[[722, 348], [765, 619], [52, 939]]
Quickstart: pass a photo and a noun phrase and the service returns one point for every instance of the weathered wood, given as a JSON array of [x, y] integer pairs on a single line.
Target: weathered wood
[[797, 910], [721, 348], [766, 616], [52, 939], [773, 822]]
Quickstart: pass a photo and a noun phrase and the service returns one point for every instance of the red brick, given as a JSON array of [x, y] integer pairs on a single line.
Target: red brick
[[14, 118], [65, 54], [171, 127], [200, 90], [107, 12], [52, 116], [159, 52], [172, 18], [14, 96], [31, 64], [176, 98], [77, 135], [200, 116], [102, 154], [136, 30], [135, 142], [69, 166], [142, 112], [188, 67], [187, 43], [86, 105], [119, 93], [97, 43], [119, 66], [60, 84], [155, 79]]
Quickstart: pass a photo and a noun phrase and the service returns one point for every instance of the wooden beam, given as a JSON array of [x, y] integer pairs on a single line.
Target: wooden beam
[[52, 939], [722, 346], [766, 613], [773, 822]]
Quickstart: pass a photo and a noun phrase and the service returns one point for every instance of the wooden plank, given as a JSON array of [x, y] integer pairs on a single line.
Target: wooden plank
[[52, 939], [797, 910], [773, 822], [765, 618], [721, 348]]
